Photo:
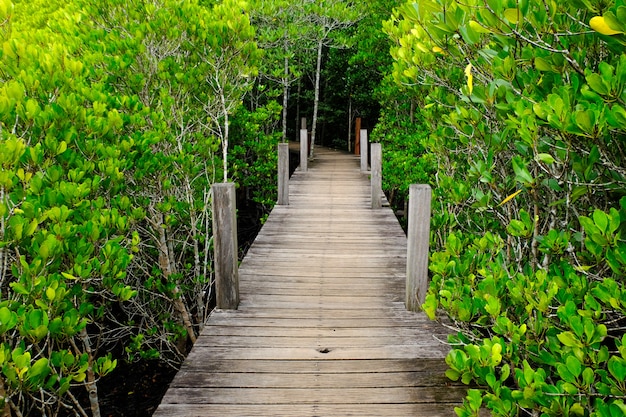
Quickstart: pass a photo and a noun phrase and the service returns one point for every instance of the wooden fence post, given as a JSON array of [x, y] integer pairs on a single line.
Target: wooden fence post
[[364, 141], [418, 236], [225, 246], [304, 150], [283, 174], [376, 175], [357, 136]]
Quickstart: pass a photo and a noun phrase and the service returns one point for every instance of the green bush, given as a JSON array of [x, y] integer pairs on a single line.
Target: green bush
[[107, 154], [520, 116]]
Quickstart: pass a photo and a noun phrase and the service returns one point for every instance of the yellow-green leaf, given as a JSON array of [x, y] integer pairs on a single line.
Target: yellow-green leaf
[[470, 78], [50, 293], [512, 15], [510, 197], [542, 64], [477, 27], [598, 24]]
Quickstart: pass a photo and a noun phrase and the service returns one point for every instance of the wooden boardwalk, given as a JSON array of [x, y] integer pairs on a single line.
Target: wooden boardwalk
[[321, 329]]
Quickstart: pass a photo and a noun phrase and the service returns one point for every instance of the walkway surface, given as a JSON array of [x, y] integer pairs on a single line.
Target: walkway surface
[[321, 329]]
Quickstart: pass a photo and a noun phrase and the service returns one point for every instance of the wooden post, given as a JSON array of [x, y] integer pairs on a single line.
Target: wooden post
[[364, 150], [225, 246], [283, 174], [376, 175], [418, 236], [357, 137], [350, 124], [304, 149], [303, 123]]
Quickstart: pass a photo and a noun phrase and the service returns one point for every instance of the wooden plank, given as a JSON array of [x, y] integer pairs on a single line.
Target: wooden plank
[[286, 378], [245, 329], [383, 324], [323, 366], [307, 410], [377, 395], [425, 350], [314, 340], [400, 315]]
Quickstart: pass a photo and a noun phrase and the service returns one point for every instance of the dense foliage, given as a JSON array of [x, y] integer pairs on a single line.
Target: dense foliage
[[111, 116], [516, 113]]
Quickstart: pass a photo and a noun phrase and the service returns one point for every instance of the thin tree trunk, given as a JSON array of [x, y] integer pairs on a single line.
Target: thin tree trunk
[[225, 138], [285, 91], [298, 108], [350, 124], [166, 265], [6, 411], [4, 261], [316, 101], [92, 387]]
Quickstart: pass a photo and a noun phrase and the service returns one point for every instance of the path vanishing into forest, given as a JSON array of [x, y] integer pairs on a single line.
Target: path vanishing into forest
[[321, 328]]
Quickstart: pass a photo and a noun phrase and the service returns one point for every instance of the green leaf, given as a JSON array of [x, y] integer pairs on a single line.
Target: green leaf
[[577, 410], [569, 339], [452, 374], [62, 147], [617, 368], [588, 377], [79, 377], [601, 220], [39, 368], [19, 288], [597, 84], [521, 172], [545, 158], [512, 15], [588, 224], [573, 365], [543, 65], [585, 120]]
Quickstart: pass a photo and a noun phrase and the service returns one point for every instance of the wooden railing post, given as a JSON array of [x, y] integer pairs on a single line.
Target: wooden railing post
[[364, 150], [225, 246], [418, 236], [304, 150], [376, 176], [357, 136], [283, 174]]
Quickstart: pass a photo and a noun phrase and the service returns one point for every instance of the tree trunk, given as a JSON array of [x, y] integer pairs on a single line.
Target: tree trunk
[[316, 101], [298, 107], [6, 410], [90, 385], [4, 256], [225, 138], [350, 124], [166, 265], [285, 91]]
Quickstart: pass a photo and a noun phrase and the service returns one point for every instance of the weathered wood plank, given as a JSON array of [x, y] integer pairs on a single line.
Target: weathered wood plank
[[308, 410], [388, 333], [286, 378], [423, 365], [391, 312], [424, 350], [377, 395]]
